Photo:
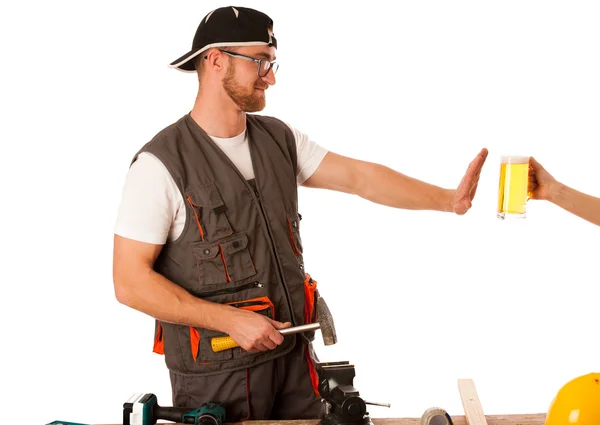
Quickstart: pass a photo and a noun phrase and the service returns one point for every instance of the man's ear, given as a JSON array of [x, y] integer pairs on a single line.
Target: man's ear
[[214, 59]]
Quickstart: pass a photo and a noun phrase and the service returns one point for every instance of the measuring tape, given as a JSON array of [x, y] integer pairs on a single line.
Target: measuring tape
[[436, 416]]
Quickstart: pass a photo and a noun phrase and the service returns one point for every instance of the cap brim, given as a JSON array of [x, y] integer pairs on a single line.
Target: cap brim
[[186, 64]]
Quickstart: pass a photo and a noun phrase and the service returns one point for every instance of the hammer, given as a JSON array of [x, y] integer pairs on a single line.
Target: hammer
[[324, 322]]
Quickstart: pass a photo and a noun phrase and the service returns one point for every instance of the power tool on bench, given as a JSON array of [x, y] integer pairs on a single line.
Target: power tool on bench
[[344, 404], [143, 409]]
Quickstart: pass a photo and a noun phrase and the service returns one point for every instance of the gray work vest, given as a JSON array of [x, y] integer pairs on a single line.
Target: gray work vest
[[241, 241]]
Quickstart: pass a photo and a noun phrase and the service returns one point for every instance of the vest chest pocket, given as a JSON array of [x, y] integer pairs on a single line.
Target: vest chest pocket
[[209, 212], [226, 260]]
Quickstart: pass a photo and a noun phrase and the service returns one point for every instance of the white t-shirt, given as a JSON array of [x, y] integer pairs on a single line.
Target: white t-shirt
[[152, 208]]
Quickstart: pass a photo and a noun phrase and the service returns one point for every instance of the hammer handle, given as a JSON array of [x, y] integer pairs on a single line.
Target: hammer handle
[[222, 343]]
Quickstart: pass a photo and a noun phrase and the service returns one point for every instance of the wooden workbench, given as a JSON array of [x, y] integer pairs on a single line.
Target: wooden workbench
[[535, 419], [532, 419]]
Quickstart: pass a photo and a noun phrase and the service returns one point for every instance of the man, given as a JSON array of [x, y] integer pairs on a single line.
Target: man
[[208, 235], [543, 186]]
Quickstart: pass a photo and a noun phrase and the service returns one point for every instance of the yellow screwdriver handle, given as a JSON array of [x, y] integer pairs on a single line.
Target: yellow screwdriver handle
[[222, 343]]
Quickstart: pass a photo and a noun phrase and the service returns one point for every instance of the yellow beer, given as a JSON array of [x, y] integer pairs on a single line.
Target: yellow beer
[[512, 192]]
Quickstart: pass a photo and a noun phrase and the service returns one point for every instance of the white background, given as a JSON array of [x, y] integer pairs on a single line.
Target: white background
[[420, 299]]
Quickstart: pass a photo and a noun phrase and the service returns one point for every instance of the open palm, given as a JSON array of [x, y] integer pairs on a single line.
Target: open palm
[[465, 192]]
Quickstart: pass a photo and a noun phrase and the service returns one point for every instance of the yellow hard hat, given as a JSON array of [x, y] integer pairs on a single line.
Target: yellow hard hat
[[577, 402]]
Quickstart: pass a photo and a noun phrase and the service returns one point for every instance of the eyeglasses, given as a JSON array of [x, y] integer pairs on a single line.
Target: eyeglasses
[[264, 65]]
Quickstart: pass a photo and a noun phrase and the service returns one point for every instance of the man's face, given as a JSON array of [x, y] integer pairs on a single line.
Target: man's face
[[242, 82]]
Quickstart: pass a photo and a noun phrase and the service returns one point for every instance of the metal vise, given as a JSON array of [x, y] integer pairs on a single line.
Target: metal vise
[[344, 405]]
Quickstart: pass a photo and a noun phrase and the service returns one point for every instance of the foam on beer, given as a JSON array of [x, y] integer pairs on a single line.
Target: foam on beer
[[514, 160]]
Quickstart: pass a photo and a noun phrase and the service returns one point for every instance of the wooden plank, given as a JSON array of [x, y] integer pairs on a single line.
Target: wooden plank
[[536, 419], [470, 401], [528, 419]]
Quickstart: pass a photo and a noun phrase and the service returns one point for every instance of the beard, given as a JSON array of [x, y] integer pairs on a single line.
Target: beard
[[245, 98]]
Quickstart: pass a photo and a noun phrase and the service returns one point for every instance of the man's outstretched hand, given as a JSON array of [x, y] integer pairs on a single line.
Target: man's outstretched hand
[[465, 192]]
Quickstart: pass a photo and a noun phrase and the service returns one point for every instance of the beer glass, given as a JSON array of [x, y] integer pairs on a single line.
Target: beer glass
[[513, 189]]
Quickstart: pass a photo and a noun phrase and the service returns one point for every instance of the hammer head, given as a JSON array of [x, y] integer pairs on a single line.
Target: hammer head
[[326, 322]]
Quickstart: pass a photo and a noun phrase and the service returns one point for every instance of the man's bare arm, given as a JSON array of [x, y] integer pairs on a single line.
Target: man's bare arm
[[138, 286], [382, 185]]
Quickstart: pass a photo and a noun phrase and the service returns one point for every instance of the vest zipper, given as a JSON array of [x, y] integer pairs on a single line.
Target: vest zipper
[[224, 291], [264, 215], [281, 275]]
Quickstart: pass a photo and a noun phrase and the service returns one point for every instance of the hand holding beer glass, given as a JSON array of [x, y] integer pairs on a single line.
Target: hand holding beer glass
[[513, 191]]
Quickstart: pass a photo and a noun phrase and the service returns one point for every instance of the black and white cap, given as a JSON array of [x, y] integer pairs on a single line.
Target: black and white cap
[[228, 26]]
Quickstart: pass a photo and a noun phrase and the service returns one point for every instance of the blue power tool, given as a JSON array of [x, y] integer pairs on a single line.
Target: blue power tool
[[143, 409]]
